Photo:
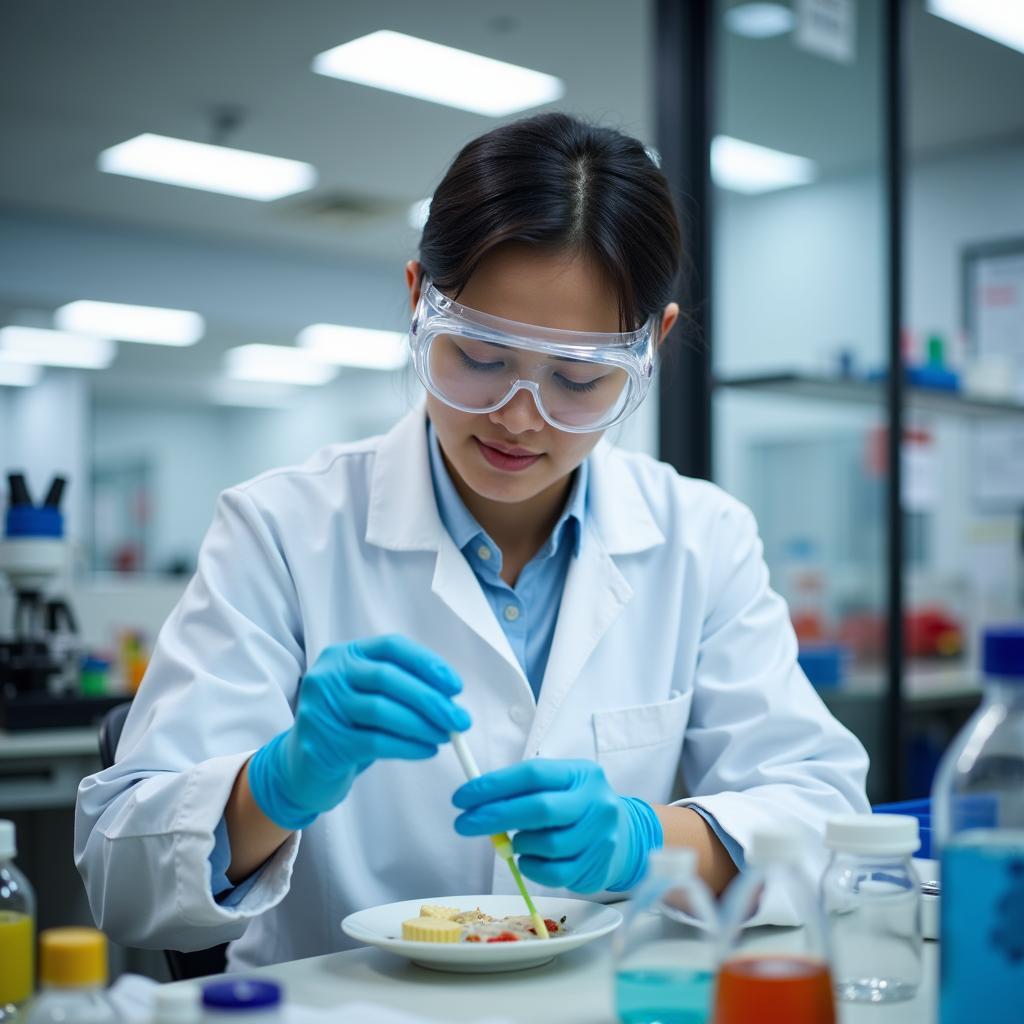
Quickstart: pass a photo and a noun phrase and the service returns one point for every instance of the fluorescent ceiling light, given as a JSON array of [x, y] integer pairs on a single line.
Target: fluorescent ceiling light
[[745, 167], [131, 323], [354, 346], [18, 375], [760, 20], [429, 71], [55, 348], [1001, 20], [418, 214], [233, 172], [276, 364]]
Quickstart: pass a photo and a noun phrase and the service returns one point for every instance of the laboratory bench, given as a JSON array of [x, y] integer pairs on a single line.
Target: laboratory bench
[[575, 988]]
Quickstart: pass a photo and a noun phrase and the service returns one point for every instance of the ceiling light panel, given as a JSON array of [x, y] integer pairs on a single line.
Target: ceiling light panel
[[760, 20], [745, 167], [232, 172], [18, 375], [440, 74], [150, 324], [277, 364], [354, 346], [1001, 20], [41, 347]]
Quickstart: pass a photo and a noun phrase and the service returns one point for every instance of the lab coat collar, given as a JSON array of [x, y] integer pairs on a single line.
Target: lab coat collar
[[403, 516]]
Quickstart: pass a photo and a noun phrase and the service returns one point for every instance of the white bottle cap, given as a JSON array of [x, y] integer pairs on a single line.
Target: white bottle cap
[[672, 860], [779, 845], [884, 834], [8, 843], [179, 1004]]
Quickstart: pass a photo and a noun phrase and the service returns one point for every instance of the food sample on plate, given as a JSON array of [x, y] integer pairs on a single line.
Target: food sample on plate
[[449, 924]]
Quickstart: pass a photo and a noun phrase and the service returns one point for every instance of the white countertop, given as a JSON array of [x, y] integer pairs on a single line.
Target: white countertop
[[572, 989]]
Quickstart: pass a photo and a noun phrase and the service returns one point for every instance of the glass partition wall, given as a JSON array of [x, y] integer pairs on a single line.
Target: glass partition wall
[[800, 343]]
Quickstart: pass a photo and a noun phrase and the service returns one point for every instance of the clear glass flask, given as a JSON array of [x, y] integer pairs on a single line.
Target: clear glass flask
[[665, 949], [774, 975], [978, 817], [17, 930], [872, 899]]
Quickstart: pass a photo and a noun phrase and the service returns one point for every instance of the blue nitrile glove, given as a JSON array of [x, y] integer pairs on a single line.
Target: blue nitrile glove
[[574, 831], [371, 699]]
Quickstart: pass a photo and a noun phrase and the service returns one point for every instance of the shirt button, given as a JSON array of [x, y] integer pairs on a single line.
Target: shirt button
[[484, 552], [511, 612]]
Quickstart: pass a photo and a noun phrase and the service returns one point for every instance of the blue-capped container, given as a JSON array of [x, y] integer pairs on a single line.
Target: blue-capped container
[[242, 999], [978, 816]]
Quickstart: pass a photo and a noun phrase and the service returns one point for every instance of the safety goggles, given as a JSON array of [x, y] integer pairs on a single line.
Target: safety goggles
[[476, 362]]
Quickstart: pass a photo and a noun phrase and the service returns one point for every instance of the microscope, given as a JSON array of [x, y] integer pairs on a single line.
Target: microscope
[[39, 661]]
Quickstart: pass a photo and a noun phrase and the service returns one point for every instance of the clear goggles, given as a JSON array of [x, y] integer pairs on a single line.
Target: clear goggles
[[476, 363]]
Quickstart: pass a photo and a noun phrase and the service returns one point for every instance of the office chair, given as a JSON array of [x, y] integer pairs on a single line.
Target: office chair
[[182, 966]]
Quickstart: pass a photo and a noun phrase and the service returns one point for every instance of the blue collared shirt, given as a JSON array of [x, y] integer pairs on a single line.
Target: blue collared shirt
[[528, 611]]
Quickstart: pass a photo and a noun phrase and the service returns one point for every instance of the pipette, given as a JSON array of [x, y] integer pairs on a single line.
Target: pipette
[[501, 841]]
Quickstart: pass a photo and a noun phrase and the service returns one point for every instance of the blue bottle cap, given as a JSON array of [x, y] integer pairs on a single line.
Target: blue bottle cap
[[242, 994], [1003, 655]]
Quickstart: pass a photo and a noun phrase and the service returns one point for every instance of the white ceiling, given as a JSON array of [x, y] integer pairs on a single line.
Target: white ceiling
[[78, 77]]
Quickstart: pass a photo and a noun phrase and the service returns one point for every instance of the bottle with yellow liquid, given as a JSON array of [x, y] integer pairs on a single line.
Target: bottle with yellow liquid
[[17, 931]]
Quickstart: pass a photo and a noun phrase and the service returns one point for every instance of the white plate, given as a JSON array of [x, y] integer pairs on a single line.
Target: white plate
[[382, 927]]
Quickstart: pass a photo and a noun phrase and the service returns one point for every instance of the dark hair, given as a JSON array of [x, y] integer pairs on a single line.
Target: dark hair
[[557, 182]]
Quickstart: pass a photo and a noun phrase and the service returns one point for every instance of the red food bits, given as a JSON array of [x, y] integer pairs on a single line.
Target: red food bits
[[551, 926], [472, 938], [505, 937]]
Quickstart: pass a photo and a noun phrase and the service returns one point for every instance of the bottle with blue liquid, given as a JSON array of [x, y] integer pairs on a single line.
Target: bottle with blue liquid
[[665, 950], [978, 816]]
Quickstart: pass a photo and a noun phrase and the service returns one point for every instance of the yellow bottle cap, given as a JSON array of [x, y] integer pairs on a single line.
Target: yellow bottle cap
[[72, 957]]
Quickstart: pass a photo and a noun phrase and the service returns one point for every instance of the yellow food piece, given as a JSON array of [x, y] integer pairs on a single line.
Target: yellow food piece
[[430, 929], [436, 910]]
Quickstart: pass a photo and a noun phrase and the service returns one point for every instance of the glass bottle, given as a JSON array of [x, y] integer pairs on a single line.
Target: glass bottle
[[665, 949], [73, 976], [978, 818], [17, 930], [872, 899], [774, 975]]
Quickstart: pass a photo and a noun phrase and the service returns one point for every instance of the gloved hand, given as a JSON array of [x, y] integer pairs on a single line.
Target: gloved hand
[[371, 699], [574, 831]]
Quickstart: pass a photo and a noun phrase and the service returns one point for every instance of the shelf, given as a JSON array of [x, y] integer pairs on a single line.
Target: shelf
[[925, 687], [866, 392]]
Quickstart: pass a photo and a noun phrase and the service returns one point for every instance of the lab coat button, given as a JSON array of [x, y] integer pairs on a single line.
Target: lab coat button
[[518, 714], [511, 612]]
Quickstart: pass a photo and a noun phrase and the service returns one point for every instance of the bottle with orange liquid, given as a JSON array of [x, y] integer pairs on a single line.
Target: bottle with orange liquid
[[774, 975]]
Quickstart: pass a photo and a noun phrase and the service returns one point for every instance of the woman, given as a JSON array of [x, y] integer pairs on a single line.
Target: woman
[[593, 621]]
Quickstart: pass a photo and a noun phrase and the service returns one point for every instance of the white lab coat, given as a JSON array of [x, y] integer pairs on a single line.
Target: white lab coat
[[670, 652]]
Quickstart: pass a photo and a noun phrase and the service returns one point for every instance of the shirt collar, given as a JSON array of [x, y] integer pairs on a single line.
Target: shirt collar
[[462, 525]]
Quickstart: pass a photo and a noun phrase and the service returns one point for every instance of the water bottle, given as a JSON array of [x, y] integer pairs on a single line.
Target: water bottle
[[73, 975], [774, 975], [665, 950], [17, 930], [978, 817]]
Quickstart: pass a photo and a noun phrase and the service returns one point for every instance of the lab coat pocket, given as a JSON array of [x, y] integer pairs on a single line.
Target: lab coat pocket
[[638, 747]]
